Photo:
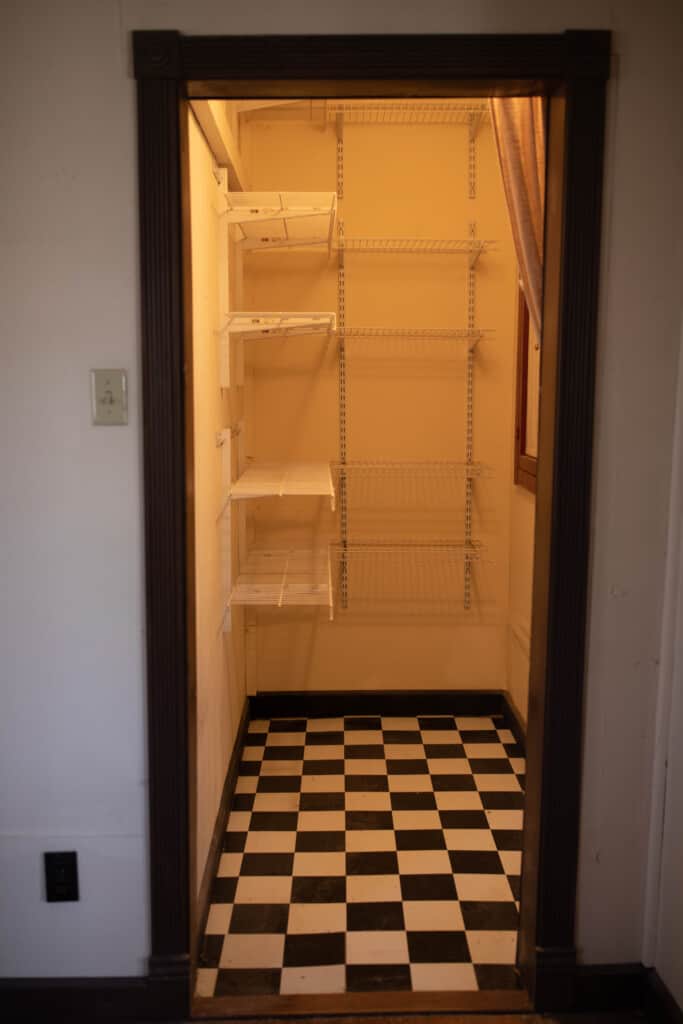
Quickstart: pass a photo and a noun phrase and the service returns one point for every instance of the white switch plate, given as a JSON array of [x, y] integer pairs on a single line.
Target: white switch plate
[[109, 397]]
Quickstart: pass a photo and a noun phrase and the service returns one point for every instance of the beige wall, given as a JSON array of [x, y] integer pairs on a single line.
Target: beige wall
[[406, 401], [219, 655]]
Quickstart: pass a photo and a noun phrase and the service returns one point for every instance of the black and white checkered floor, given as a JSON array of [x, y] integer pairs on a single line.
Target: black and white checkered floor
[[369, 854]]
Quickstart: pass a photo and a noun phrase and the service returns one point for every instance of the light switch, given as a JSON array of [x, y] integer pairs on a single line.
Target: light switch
[[109, 397]]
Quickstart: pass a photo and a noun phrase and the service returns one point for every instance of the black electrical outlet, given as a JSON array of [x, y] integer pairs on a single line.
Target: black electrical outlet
[[61, 876]]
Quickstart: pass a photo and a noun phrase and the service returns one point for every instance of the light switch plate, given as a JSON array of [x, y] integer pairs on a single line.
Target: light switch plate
[[109, 397]]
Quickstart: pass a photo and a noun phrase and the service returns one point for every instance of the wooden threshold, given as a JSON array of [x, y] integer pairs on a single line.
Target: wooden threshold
[[402, 1003]]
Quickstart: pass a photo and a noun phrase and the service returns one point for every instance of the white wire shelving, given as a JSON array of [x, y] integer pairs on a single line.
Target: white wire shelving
[[285, 479], [398, 468], [283, 220], [285, 577], [414, 112], [426, 334], [268, 324], [473, 248]]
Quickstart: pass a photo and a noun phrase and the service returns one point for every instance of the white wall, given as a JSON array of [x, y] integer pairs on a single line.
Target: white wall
[[72, 737]]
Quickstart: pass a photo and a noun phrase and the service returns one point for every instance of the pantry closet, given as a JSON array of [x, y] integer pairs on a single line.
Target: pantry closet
[[356, 526]]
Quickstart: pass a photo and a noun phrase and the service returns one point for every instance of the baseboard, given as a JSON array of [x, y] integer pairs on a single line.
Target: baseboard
[[613, 987], [216, 845], [281, 704], [76, 999], [514, 722]]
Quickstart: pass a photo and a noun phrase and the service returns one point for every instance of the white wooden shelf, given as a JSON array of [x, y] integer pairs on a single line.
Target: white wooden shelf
[[285, 577], [283, 220], [282, 479], [270, 324]]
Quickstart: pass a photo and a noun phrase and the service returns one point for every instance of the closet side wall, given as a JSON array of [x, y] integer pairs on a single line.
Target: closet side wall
[[522, 520], [406, 400], [220, 691]]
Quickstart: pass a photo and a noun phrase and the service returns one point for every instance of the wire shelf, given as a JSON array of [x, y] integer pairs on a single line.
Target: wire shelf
[[423, 112], [285, 577], [472, 247], [283, 220], [282, 479], [423, 334], [269, 324], [458, 470]]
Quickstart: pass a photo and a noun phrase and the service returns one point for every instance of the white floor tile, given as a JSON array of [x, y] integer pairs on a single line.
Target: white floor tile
[[229, 865], [206, 982], [492, 947], [483, 887], [433, 916], [276, 802], [376, 948], [474, 723], [368, 802], [330, 979], [322, 784], [443, 978], [458, 801], [485, 750], [440, 736], [363, 766], [252, 951], [512, 861], [321, 821], [416, 819], [353, 736], [424, 862], [238, 821], [448, 766], [218, 919], [313, 918], [370, 839], [246, 784], [259, 725], [373, 889], [497, 783], [469, 839], [281, 768], [410, 783], [325, 725], [399, 723], [263, 889], [402, 751], [505, 819], [286, 739], [270, 842], [309, 865], [324, 752]]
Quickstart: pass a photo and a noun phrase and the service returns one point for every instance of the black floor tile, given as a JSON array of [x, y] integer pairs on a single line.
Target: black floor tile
[[247, 982], [312, 767], [463, 819], [366, 917], [407, 766], [273, 821], [420, 839], [428, 887], [283, 754], [413, 802], [508, 838], [515, 883], [266, 918], [267, 864], [320, 842], [321, 802], [255, 739], [490, 766], [441, 750], [402, 736], [223, 890], [479, 736], [477, 862], [250, 768], [315, 950], [503, 801], [279, 784], [438, 948], [366, 784], [513, 750], [496, 976], [319, 890], [364, 863], [369, 751], [489, 916], [242, 802], [325, 739], [453, 783], [378, 978], [234, 842], [210, 953], [356, 820], [287, 725], [435, 724], [359, 723]]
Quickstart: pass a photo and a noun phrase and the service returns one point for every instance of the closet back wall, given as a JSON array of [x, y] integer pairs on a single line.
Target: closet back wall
[[406, 399]]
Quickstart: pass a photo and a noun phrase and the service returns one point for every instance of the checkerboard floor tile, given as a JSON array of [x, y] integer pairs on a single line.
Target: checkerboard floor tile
[[369, 854]]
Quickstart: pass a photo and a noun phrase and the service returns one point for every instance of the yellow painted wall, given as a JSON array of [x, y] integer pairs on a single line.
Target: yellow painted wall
[[406, 400], [220, 656]]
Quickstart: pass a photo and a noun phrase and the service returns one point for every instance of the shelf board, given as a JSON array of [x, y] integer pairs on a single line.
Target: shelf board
[[283, 220], [283, 479], [271, 324], [285, 577]]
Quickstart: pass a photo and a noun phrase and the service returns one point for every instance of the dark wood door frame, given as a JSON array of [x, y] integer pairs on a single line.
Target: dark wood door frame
[[571, 69]]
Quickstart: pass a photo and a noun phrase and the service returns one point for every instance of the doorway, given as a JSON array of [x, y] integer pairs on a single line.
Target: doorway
[[564, 445]]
